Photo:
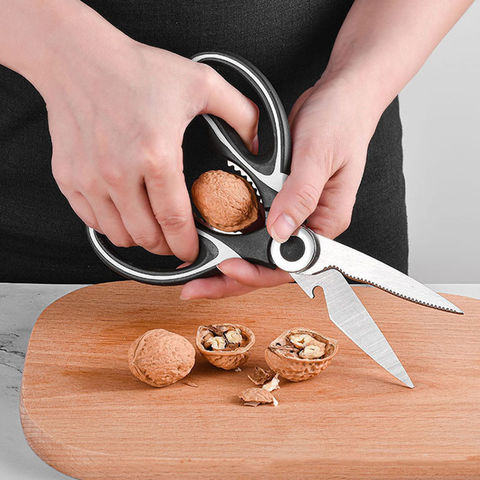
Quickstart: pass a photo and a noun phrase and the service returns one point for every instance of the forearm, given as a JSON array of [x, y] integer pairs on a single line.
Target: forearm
[[382, 44], [40, 37]]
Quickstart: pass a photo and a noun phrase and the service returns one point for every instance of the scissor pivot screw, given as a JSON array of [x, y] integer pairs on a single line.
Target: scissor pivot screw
[[293, 249], [297, 253]]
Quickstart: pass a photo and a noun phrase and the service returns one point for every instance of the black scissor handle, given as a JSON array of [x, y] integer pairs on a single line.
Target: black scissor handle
[[213, 250], [208, 258], [268, 171]]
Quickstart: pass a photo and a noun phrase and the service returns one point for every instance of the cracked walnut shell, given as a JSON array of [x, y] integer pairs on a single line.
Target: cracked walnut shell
[[225, 201], [225, 345], [160, 358], [299, 354]]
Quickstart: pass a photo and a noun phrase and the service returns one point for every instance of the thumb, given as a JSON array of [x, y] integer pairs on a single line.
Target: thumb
[[226, 102], [300, 193]]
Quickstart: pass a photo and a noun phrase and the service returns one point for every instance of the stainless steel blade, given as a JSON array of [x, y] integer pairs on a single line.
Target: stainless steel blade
[[347, 312], [363, 268]]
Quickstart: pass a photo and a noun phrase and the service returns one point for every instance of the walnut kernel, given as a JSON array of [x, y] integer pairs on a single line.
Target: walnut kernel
[[234, 336], [311, 351], [215, 343], [300, 340]]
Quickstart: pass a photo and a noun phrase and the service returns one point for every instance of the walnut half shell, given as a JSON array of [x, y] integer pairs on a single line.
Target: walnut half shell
[[300, 353], [225, 345]]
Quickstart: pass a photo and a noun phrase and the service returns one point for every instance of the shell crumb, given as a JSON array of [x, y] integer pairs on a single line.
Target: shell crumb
[[273, 384], [190, 384]]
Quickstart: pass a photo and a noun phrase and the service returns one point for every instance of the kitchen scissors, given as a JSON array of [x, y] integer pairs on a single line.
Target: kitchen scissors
[[311, 259]]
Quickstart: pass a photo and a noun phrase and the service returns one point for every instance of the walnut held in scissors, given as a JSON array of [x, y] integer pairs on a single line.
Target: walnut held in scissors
[[299, 354], [225, 201], [160, 358], [225, 345]]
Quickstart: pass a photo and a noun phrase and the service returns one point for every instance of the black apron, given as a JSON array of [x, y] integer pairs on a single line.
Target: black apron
[[41, 238]]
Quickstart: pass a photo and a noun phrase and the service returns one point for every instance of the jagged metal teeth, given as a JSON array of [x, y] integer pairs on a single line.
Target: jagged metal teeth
[[238, 232], [388, 290], [246, 177]]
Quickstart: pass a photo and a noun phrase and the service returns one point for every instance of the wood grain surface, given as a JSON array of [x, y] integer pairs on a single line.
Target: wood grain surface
[[87, 416]]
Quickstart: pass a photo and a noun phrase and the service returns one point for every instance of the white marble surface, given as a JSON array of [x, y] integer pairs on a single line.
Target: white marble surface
[[20, 305]]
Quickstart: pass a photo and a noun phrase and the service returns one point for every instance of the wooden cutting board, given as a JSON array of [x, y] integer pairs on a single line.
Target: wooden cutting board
[[87, 416]]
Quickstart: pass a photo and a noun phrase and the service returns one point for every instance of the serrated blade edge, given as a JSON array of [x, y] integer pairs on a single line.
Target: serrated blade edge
[[365, 269]]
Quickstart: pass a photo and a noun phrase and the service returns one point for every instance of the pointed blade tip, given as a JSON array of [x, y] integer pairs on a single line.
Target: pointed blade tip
[[446, 307], [457, 310], [409, 383]]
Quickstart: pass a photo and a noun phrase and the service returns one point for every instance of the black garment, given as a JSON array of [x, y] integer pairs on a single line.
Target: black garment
[[42, 240]]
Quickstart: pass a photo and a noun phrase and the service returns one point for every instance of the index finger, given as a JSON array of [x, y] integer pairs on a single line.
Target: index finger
[[170, 202], [239, 277]]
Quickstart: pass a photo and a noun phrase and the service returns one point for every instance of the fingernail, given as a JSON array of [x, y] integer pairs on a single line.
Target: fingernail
[[283, 227], [183, 265], [184, 296], [220, 267]]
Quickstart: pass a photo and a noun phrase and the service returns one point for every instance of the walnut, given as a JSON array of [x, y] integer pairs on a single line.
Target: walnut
[[255, 396], [225, 201], [299, 354], [225, 346], [160, 358]]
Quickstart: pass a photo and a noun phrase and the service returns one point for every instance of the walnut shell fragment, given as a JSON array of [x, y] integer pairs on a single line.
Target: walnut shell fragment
[[273, 384], [160, 358], [261, 376], [225, 201], [300, 354], [255, 396], [225, 345]]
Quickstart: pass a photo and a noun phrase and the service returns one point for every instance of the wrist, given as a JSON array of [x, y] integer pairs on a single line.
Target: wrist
[[357, 102], [61, 42], [363, 85]]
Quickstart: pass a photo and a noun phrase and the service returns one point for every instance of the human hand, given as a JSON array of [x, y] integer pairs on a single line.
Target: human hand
[[331, 130], [117, 119]]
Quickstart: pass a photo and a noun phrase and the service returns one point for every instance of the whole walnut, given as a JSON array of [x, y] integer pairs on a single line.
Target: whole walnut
[[160, 358], [225, 201]]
